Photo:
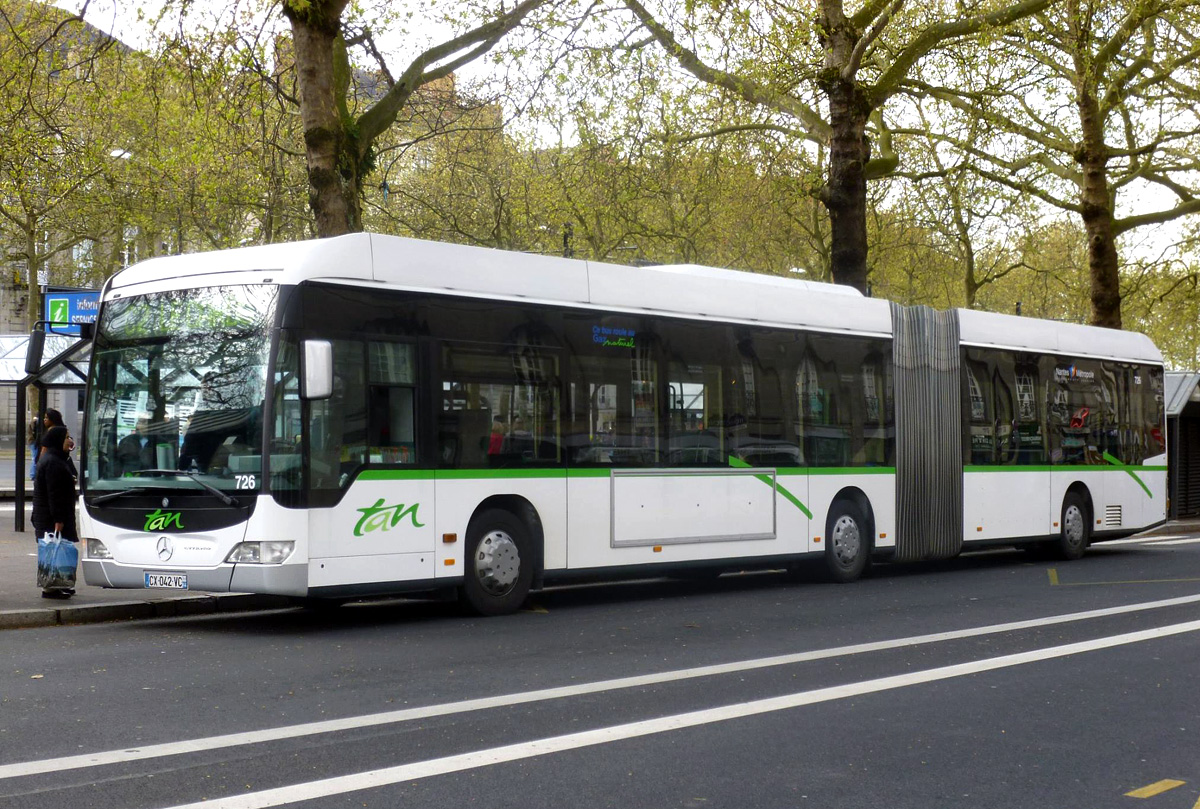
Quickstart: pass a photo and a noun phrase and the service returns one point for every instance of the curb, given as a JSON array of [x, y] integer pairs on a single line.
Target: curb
[[135, 610]]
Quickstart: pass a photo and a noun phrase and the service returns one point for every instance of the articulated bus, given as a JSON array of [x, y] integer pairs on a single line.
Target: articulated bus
[[370, 415]]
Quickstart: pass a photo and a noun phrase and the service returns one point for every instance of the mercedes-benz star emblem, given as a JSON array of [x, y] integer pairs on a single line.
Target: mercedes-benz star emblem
[[166, 548]]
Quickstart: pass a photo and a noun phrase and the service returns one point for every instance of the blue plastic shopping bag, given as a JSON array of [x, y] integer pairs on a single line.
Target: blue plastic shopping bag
[[57, 560]]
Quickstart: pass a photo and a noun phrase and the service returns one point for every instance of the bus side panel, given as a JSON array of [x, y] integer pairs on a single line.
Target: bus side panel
[[1134, 498], [589, 521], [795, 527], [880, 490], [1154, 506], [676, 529], [381, 531], [1005, 503], [458, 498], [700, 507]]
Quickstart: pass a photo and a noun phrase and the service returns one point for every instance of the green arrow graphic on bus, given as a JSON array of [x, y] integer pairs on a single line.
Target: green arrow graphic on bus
[[737, 463], [1129, 471]]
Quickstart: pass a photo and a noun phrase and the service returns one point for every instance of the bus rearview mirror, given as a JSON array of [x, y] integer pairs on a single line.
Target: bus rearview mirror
[[317, 379], [37, 344]]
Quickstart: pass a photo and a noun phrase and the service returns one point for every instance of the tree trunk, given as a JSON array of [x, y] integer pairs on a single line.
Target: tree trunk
[[1096, 201], [845, 191], [1095, 197], [33, 312], [333, 169]]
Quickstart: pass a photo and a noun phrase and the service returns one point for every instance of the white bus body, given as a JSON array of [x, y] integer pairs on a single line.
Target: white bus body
[[498, 420]]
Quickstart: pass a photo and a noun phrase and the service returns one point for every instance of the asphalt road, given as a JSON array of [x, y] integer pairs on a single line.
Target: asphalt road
[[989, 681]]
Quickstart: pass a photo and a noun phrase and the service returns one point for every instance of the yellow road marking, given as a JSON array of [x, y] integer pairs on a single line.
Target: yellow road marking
[[1157, 788], [1052, 572], [1131, 581], [1197, 806]]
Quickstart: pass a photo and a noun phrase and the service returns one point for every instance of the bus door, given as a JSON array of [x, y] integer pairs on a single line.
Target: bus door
[[499, 433], [372, 516]]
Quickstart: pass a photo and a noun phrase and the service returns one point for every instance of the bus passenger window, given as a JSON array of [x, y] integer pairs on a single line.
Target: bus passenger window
[[499, 407], [391, 430]]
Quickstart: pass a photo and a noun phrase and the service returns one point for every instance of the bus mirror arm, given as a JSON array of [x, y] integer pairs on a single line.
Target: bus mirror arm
[[316, 381]]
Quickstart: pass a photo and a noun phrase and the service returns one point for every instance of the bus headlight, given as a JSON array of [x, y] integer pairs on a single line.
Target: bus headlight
[[261, 553], [97, 549]]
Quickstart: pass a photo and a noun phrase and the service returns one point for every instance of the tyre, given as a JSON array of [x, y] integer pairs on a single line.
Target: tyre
[[499, 564], [847, 542], [1075, 527]]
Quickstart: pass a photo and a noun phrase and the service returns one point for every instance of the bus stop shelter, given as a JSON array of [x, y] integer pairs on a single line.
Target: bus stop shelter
[[1181, 391], [64, 367]]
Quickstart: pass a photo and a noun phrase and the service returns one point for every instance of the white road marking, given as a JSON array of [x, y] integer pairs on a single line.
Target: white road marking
[[103, 758], [573, 741], [1140, 540]]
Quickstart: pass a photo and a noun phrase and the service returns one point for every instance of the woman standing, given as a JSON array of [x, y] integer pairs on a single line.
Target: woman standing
[[54, 494]]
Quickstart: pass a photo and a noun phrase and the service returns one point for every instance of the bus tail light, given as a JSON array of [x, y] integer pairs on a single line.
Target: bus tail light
[[261, 553], [97, 549]]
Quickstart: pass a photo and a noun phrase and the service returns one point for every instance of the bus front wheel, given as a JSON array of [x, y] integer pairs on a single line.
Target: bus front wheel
[[847, 542], [1076, 527], [499, 564]]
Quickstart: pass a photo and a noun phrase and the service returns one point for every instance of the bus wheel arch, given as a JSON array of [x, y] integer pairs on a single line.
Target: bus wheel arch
[[849, 535], [503, 555], [1075, 526]]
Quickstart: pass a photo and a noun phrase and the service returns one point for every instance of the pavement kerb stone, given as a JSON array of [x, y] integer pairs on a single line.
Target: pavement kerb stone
[[96, 613], [25, 619], [133, 610]]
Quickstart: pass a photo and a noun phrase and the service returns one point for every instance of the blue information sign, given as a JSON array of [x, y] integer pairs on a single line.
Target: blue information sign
[[67, 309]]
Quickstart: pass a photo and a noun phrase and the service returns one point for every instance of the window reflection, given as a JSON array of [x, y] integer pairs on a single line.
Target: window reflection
[[178, 383]]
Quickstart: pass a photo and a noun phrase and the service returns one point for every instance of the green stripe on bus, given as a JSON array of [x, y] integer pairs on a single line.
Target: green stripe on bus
[[737, 463], [1062, 468], [1129, 470]]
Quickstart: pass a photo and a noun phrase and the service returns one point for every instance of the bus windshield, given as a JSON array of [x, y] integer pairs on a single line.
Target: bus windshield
[[178, 381]]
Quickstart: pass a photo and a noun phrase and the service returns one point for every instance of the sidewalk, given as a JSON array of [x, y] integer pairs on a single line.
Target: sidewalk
[[22, 605]]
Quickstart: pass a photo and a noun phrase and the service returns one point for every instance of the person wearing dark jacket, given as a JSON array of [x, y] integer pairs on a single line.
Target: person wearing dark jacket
[[54, 492], [53, 418]]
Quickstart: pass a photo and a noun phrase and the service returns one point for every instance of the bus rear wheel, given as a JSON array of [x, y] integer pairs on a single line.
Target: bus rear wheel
[[847, 542], [499, 563], [1075, 527]]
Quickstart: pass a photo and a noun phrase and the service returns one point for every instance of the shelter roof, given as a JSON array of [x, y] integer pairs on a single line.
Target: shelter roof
[[1179, 388], [14, 347]]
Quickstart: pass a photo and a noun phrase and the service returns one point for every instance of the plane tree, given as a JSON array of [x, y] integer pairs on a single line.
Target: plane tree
[[824, 78], [1091, 110]]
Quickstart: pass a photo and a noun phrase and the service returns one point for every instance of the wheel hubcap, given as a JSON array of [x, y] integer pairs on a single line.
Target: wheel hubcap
[[1073, 525], [846, 540], [497, 562]]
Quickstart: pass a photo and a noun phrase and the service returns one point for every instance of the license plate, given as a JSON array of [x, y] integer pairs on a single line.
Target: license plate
[[167, 581]]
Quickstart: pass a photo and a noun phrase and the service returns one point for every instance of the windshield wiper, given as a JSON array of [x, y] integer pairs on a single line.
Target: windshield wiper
[[181, 473], [104, 498]]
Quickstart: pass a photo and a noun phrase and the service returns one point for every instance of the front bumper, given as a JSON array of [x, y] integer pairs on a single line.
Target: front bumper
[[284, 579]]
